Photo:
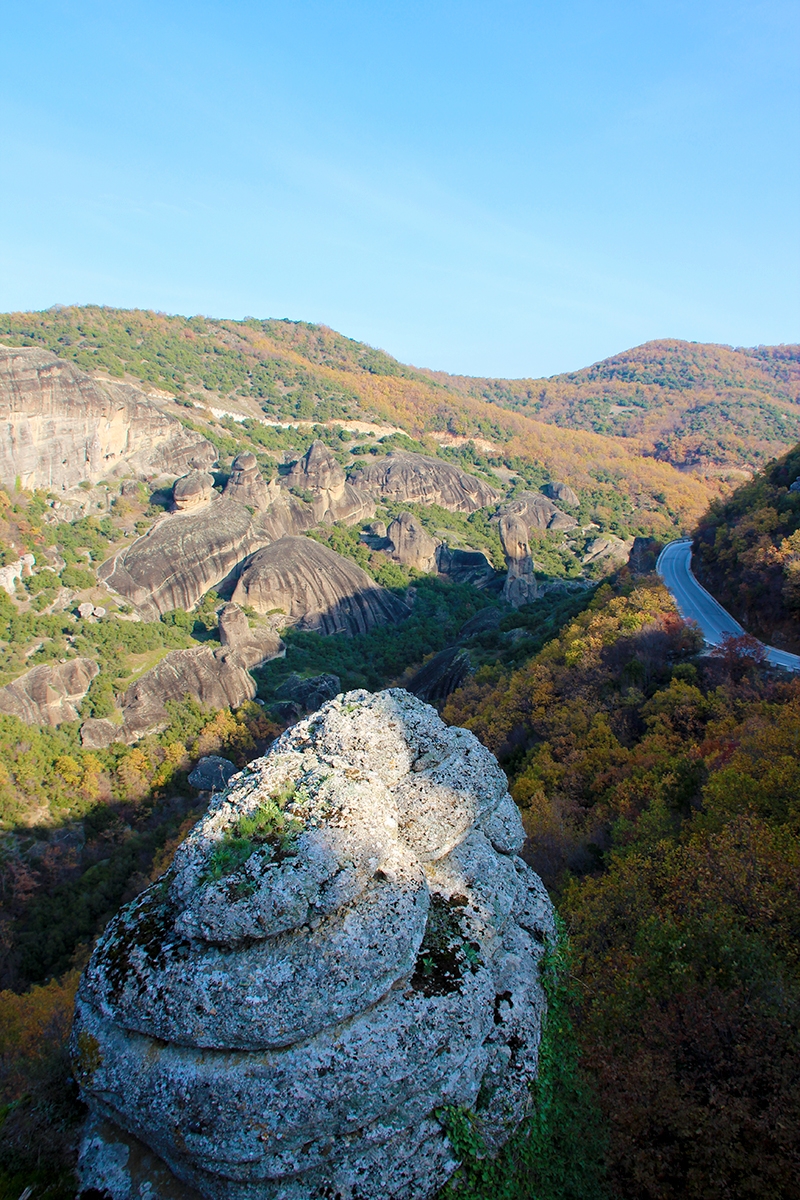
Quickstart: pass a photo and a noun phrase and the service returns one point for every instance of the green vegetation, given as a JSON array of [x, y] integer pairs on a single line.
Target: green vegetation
[[268, 826], [747, 552]]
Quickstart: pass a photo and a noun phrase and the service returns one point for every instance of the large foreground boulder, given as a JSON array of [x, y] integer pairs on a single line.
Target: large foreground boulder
[[345, 945], [316, 589], [419, 479], [60, 426]]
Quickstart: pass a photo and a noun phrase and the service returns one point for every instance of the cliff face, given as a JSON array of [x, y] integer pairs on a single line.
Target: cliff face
[[60, 427], [346, 943], [316, 589]]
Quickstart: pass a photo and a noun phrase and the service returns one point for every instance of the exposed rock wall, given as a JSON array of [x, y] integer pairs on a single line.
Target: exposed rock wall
[[246, 483], [58, 426], [335, 499], [316, 588], [49, 694], [418, 479], [520, 586], [206, 674], [286, 1024]]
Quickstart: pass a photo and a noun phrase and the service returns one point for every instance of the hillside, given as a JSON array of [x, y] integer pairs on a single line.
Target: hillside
[[286, 371], [747, 553], [713, 410]]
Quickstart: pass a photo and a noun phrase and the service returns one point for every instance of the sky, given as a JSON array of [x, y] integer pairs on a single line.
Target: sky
[[505, 188]]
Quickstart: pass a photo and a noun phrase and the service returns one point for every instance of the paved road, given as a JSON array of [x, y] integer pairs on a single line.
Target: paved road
[[696, 604]]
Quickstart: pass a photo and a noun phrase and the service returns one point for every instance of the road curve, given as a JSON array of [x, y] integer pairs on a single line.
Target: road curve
[[696, 604]]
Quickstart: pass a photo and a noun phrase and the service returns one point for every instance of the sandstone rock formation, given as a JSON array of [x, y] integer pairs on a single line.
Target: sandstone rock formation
[[212, 678], [243, 643], [335, 499], [246, 483], [185, 554], [445, 672], [418, 479], [306, 695], [537, 512], [49, 694], [58, 426], [562, 493], [608, 549], [192, 491], [345, 944], [520, 586], [411, 544], [465, 566], [316, 588]]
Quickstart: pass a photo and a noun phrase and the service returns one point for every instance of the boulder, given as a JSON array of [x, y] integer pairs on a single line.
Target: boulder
[[334, 498], [284, 1017], [465, 566], [308, 694], [562, 493], [608, 549], [14, 571], [536, 512], [411, 544], [441, 675], [315, 589], [244, 643], [192, 491], [49, 694], [246, 485], [212, 773], [418, 479], [60, 426]]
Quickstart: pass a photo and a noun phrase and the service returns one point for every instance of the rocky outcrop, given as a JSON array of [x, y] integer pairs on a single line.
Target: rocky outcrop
[[411, 545], [247, 485], [608, 549], [334, 498], [183, 555], [192, 491], [537, 512], [520, 586], [441, 675], [49, 694], [346, 944], [297, 695], [465, 566], [59, 426], [14, 571], [418, 479], [213, 678], [212, 773], [562, 493], [315, 588], [243, 643]]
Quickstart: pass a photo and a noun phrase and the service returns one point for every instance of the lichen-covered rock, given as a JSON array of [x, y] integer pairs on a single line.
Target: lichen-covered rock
[[316, 589], [49, 694], [344, 945], [419, 479]]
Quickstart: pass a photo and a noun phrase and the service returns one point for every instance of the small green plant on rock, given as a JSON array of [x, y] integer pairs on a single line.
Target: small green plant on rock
[[267, 825]]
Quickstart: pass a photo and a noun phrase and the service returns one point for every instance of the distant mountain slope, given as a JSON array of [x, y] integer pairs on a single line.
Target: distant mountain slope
[[703, 407], [294, 371], [747, 553]]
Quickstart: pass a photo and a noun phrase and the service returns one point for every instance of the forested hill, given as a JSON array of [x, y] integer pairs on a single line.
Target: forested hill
[[627, 422], [747, 552], [701, 407]]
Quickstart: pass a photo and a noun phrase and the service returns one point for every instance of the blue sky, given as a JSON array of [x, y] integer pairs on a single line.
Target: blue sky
[[487, 188]]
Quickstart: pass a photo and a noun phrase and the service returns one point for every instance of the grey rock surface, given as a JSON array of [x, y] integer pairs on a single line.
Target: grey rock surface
[[315, 589], [309, 694], [204, 673], [49, 694], [334, 497], [212, 773], [192, 491], [537, 512], [465, 566], [411, 544], [520, 586], [246, 484], [419, 479], [441, 675], [608, 549], [285, 1023], [562, 493], [60, 426]]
